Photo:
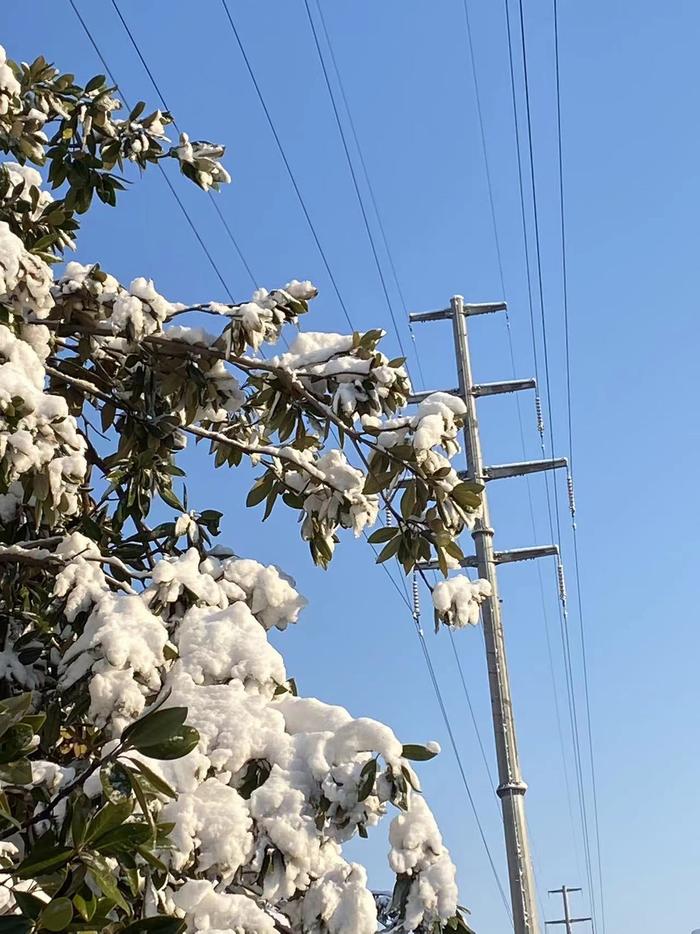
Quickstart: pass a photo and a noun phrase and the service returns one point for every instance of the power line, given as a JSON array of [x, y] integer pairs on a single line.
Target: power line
[[499, 253], [160, 94], [567, 350], [370, 186], [563, 613], [287, 165], [353, 175], [174, 193]]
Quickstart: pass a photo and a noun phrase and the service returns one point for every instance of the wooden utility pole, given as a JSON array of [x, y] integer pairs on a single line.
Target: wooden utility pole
[[511, 787], [567, 919]]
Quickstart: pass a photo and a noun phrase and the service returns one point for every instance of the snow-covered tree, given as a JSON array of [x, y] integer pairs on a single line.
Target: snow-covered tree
[[158, 771]]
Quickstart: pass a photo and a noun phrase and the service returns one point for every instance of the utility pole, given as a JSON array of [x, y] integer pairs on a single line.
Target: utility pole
[[511, 787], [567, 919]]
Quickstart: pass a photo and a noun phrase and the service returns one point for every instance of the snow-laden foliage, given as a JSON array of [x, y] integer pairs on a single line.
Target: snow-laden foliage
[[157, 769]]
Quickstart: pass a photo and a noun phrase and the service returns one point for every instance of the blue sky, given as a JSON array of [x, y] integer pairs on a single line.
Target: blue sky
[[631, 151]]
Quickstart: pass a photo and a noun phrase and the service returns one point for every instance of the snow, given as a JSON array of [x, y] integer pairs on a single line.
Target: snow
[[417, 850], [234, 726], [213, 824], [121, 640], [28, 178], [338, 501], [270, 594], [312, 347], [173, 577], [205, 909], [226, 644], [340, 900], [458, 599], [42, 440], [82, 580], [204, 158], [25, 280], [331, 364], [9, 85]]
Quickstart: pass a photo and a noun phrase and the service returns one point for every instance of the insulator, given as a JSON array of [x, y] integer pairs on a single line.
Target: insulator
[[562, 583], [388, 517], [416, 597], [572, 501], [538, 410]]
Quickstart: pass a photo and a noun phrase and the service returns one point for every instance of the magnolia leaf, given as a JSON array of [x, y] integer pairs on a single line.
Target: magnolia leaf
[[15, 925], [367, 778], [104, 879], [159, 784], [154, 726], [417, 752], [383, 535], [106, 819], [115, 782], [389, 550], [40, 862], [29, 905], [16, 773], [57, 915], [161, 924]]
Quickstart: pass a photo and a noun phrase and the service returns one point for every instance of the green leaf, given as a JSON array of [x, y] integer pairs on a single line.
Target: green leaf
[[408, 500], [16, 773], [126, 838], [57, 915], [367, 777], [12, 709], [5, 810], [383, 535], [154, 726], [40, 862], [169, 497], [161, 924], [15, 925], [465, 496], [389, 550], [417, 752], [29, 905], [106, 819], [159, 784], [260, 490], [95, 83], [86, 908], [175, 747], [115, 782], [104, 878], [79, 819]]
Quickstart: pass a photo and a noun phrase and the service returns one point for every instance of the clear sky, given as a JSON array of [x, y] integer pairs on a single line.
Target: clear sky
[[631, 155]]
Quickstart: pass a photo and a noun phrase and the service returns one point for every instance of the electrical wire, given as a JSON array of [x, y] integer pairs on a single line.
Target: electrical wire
[[170, 185], [160, 94], [567, 352], [563, 611], [499, 253], [370, 188], [287, 164], [353, 175]]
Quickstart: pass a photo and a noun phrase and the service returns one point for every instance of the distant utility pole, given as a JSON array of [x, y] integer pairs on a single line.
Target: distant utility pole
[[511, 787], [567, 919]]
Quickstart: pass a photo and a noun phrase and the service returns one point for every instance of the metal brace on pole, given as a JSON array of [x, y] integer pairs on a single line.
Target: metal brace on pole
[[567, 919]]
